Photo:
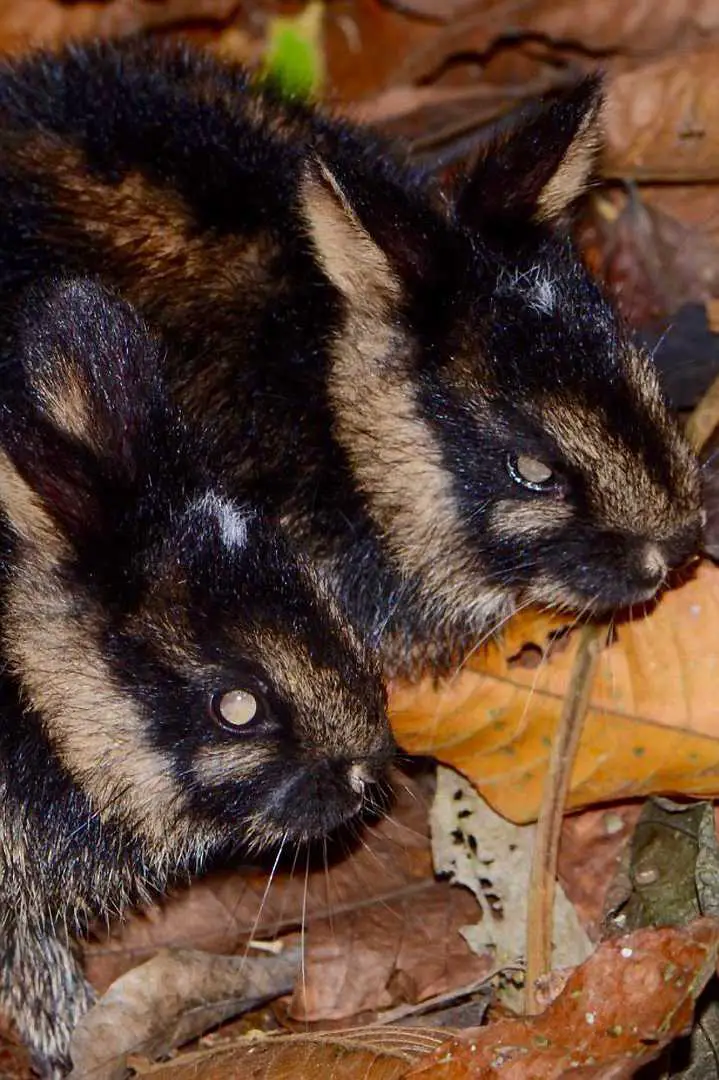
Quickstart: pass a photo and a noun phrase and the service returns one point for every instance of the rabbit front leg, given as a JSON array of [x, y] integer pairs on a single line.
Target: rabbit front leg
[[43, 990]]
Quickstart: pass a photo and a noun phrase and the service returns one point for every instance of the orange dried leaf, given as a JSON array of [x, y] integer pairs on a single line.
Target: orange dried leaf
[[652, 724]]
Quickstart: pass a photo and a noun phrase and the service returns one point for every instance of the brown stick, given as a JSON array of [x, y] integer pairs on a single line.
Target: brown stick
[[705, 417], [543, 876]]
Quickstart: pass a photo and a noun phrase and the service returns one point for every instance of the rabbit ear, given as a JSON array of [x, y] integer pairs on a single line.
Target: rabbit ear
[[81, 408], [541, 164], [91, 367], [370, 243], [352, 259]]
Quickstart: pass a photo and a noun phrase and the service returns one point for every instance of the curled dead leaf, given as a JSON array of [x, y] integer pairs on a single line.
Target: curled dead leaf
[[170, 999]]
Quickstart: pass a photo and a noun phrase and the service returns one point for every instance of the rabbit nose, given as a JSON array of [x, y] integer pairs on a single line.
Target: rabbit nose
[[654, 566], [359, 776]]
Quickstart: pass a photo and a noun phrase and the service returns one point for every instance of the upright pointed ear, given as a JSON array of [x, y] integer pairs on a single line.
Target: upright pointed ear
[[368, 247], [538, 167], [76, 411]]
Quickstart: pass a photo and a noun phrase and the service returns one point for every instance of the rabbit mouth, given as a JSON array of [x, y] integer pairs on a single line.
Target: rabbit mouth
[[322, 798]]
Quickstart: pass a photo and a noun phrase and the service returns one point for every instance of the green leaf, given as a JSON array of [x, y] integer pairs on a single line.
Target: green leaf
[[294, 56]]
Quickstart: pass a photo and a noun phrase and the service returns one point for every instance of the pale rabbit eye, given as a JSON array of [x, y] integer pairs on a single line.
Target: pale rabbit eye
[[530, 472], [235, 708]]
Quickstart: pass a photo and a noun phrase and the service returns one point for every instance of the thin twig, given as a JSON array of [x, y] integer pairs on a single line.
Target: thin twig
[[391, 1016], [705, 417], [542, 880]]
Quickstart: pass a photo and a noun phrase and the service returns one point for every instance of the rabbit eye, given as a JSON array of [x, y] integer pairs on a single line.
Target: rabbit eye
[[530, 472], [235, 708]]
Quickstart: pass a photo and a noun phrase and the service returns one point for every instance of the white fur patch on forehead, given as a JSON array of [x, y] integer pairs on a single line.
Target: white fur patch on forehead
[[536, 286], [232, 519]]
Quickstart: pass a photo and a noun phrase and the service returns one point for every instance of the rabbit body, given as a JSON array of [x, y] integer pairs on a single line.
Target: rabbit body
[[427, 388], [177, 685]]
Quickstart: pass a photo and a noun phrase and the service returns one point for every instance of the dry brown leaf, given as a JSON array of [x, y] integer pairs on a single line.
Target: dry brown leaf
[[652, 725], [360, 1054], [49, 22], [652, 260], [616, 1011], [380, 929], [662, 120], [364, 44], [403, 107], [402, 951], [625, 26], [437, 10], [373, 48], [219, 913], [696, 206], [590, 852], [408, 50], [170, 999], [434, 122]]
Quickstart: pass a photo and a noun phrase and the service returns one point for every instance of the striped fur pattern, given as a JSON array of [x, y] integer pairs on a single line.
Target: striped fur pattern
[[376, 354], [136, 592]]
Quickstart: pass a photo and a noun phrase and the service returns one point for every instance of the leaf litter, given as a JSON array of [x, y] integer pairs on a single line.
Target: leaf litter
[[171, 999], [491, 857], [382, 935]]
